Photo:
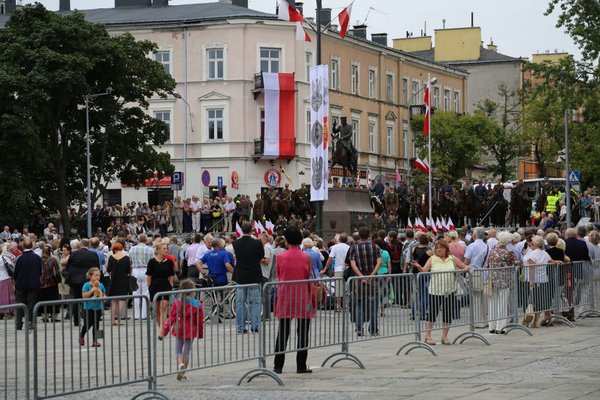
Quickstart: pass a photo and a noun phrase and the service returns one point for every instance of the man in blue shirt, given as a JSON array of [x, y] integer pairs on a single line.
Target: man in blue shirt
[[218, 262], [315, 258], [476, 257]]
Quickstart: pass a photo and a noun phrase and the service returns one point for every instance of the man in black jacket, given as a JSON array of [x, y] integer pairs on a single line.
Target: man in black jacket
[[248, 253], [79, 263], [577, 250], [28, 270]]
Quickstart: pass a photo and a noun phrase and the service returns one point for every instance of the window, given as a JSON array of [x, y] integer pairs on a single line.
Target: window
[[216, 63], [261, 119], [215, 123], [335, 75], [446, 100], [436, 97], [405, 148], [390, 139], [308, 125], [415, 91], [354, 79], [355, 127], [164, 116], [269, 59], [372, 84], [164, 58], [405, 92], [390, 88], [456, 102], [372, 136], [309, 64]]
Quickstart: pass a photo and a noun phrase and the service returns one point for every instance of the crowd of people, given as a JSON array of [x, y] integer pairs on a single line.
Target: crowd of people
[[34, 269]]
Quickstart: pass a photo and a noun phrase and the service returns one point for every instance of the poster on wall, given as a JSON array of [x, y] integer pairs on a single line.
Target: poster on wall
[[319, 135]]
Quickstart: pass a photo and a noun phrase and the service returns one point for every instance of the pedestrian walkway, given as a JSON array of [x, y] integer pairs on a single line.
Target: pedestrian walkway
[[556, 363]]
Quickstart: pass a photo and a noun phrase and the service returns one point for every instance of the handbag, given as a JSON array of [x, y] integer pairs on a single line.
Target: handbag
[[529, 312], [10, 267], [460, 285], [330, 272], [348, 273], [319, 294], [133, 285]]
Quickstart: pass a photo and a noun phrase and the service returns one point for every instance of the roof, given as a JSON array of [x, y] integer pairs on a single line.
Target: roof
[[485, 56], [184, 14]]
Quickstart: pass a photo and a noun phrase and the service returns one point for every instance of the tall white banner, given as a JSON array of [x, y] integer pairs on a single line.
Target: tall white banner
[[319, 133]]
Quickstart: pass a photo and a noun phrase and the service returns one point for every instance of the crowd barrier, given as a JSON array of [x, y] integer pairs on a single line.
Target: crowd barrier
[[281, 318]]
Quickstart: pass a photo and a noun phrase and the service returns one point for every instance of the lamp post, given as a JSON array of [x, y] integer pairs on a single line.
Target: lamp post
[[89, 167], [185, 140], [567, 183]]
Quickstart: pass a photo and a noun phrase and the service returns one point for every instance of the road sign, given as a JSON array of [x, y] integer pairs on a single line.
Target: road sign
[[220, 181], [177, 178], [574, 177], [205, 178]]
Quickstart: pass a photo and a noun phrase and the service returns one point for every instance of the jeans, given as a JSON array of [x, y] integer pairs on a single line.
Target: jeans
[[250, 296], [366, 309]]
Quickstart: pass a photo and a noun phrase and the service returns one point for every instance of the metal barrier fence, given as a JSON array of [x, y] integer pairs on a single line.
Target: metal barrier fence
[[14, 378], [216, 326], [90, 352], [586, 278]]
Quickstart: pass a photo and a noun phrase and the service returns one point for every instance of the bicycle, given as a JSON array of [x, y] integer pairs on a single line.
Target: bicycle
[[217, 304]]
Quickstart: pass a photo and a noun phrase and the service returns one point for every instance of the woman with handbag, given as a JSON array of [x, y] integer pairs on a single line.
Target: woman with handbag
[[534, 264], [7, 288], [49, 281], [216, 213], [501, 275], [119, 268]]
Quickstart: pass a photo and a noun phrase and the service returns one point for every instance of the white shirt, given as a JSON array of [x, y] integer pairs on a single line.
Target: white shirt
[[477, 253], [491, 243], [202, 250], [195, 206], [338, 253], [266, 267], [540, 258]]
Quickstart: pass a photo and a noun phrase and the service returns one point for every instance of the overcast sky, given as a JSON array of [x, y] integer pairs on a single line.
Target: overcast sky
[[518, 27]]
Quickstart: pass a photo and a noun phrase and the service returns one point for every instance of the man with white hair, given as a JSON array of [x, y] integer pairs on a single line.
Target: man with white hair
[[315, 258], [492, 241], [476, 258]]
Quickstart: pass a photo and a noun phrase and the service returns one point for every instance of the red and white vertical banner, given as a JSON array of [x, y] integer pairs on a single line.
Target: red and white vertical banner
[[280, 99], [319, 134]]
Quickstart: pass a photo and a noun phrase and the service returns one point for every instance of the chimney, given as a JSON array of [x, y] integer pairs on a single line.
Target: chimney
[[160, 3], [492, 46], [132, 3], [64, 5], [300, 7], [325, 16], [10, 6], [380, 38], [359, 31]]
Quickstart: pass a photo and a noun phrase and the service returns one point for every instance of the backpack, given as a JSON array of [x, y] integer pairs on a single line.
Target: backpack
[[395, 252]]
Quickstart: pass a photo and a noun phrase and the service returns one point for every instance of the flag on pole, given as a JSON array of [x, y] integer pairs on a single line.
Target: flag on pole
[[238, 230], [445, 224], [422, 165], [438, 224], [419, 224], [409, 224], [369, 180], [260, 227], [287, 12], [269, 227], [451, 224], [398, 179], [427, 101], [344, 20], [280, 105], [281, 170]]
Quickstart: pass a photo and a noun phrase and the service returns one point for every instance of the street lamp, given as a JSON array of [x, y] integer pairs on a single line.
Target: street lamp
[[87, 138], [185, 141]]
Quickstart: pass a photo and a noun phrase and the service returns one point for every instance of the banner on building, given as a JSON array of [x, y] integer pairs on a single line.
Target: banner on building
[[280, 95], [319, 135]]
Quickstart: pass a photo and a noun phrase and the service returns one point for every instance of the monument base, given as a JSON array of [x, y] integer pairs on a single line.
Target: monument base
[[345, 211]]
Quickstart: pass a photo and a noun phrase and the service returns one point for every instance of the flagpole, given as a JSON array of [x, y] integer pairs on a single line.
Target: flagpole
[[428, 105], [319, 205]]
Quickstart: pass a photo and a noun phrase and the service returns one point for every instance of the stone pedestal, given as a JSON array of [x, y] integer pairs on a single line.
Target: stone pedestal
[[346, 209]]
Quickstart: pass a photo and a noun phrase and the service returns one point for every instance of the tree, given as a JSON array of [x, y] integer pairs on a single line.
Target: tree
[[506, 141], [49, 64], [456, 142]]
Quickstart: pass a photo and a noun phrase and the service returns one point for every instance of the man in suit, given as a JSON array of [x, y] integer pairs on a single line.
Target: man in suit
[[28, 270], [248, 254], [79, 263]]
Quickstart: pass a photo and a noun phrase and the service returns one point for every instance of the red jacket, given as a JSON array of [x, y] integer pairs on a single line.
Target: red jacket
[[191, 325], [294, 300]]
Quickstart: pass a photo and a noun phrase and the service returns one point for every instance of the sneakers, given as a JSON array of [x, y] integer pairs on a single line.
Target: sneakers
[[181, 373]]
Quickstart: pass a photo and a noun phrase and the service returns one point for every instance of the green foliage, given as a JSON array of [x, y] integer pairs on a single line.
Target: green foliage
[[49, 64], [456, 142]]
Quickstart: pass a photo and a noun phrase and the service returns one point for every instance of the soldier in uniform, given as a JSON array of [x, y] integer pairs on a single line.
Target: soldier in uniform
[[391, 201], [391, 224], [481, 191], [303, 191], [402, 190], [294, 222], [499, 188], [258, 208], [546, 186], [377, 223], [286, 193], [310, 223], [280, 225], [272, 194], [468, 185]]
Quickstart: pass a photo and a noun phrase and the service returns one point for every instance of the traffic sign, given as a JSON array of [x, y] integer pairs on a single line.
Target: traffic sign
[[574, 177], [205, 178], [177, 178], [220, 181]]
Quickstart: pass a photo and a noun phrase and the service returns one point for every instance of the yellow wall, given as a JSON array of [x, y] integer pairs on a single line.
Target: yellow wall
[[552, 57], [413, 43], [457, 44]]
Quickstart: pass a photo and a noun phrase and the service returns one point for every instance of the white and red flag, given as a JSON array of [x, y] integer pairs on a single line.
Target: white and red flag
[[238, 230], [419, 224], [344, 20], [269, 227], [280, 107], [259, 228], [409, 224], [427, 100], [438, 224], [423, 165], [288, 12], [451, 224]]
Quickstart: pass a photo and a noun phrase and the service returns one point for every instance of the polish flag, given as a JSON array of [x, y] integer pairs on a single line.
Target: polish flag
[[423, 165], [427, 101], [430, 224], [451, 224], [419, 224], [269, 227], [238, 230], [445, 224], [260, 227], [438, 224], [409, 224], [344, 19], [287, 12], [398, 179], [280, 107]]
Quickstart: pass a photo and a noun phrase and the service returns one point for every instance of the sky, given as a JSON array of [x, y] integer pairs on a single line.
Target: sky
[[518, 27]]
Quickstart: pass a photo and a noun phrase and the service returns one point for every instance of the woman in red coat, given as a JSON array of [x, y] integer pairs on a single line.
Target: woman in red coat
[[294, 300]]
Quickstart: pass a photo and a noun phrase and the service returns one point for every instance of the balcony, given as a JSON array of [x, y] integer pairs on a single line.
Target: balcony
[[258, 85], [258, 149]]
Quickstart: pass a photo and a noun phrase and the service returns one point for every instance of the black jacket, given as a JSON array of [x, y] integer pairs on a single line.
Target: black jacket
[[248, 253], [80, 261], [28, 270]]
